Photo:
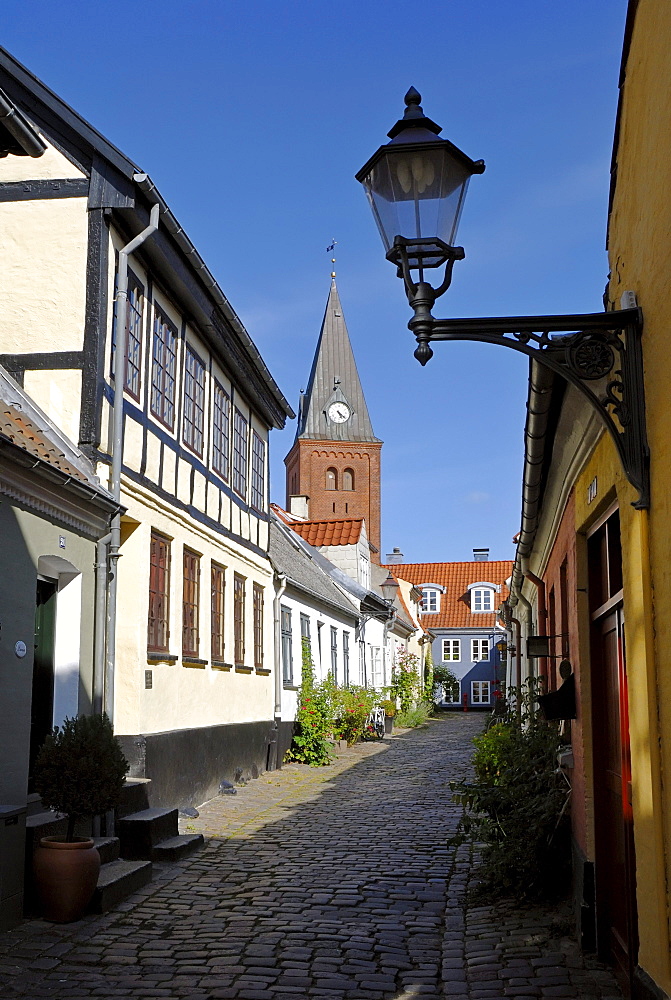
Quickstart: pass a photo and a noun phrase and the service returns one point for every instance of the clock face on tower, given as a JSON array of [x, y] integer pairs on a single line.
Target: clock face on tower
[[339, 412]]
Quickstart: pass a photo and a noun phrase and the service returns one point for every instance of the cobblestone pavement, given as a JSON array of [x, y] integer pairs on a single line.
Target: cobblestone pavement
[[318, 883]]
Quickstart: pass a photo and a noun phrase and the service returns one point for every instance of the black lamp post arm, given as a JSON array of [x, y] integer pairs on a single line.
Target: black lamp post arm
[[600, 354]]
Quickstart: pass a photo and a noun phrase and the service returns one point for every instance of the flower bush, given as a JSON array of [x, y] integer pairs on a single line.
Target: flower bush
[[314, 723], [405, 680], [352, 706]]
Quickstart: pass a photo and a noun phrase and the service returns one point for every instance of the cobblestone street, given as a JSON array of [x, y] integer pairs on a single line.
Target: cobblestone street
[[320, 883]]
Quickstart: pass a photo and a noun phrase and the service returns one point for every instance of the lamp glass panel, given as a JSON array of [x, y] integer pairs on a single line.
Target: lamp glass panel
[[417, 194]]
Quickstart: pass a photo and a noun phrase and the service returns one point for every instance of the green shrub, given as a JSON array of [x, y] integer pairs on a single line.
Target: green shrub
[[416, 715], [405, 681], [80, 769], [517, 810], [389, 707], [352, 706], [311, 742], [442, 674]]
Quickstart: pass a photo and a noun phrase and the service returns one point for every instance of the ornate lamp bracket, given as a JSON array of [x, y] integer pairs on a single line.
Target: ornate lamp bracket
[[598, 353]]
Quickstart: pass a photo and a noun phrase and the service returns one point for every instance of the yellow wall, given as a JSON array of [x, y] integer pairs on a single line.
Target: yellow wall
[[640, 258]]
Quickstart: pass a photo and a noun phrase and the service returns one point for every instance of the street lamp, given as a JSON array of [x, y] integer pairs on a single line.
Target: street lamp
[[416, 185]]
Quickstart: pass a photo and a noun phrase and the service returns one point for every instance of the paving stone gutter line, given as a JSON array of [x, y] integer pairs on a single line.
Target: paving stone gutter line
[[333, 883]]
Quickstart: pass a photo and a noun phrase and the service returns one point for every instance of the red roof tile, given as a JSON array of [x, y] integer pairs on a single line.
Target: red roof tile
[[455, 577], [16, 427], [318, 533]]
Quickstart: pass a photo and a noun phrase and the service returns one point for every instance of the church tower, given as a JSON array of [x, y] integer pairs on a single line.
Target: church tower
[[335, 459]]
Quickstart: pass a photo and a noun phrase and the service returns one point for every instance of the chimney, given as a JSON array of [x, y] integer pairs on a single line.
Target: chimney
[[298, 506], [394, 558], [480, 555]]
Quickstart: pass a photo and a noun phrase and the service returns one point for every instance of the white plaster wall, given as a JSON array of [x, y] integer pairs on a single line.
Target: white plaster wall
[[67, 649], [43, 248], [186, 696], [51, 165], [58, 393], [300, 604]]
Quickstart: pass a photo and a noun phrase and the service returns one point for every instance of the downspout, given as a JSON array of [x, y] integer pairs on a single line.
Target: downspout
[[117, 449], [101, 569], [282, 580], [518, 667], [542, 619]]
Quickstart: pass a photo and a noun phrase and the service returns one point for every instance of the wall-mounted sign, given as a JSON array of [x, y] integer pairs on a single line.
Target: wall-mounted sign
[[20, 649], [61, 541]]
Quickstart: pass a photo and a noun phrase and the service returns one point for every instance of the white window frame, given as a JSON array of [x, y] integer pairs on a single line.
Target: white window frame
[[479, 650], [453, 645], [430, 594], [482, 686], [482, 595], [454, 701]]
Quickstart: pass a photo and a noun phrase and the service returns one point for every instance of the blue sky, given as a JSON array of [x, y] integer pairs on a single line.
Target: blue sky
[[252, 119]]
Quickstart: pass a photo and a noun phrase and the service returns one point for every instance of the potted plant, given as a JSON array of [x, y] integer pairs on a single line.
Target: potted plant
[[79, 772], [389, 707]]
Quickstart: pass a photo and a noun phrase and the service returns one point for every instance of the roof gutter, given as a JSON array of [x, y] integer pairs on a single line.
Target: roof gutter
[[20, 128], [170, 223], [541, 381]]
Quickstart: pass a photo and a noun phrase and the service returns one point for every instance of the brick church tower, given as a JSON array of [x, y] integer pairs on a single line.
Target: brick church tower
[[333, 468]]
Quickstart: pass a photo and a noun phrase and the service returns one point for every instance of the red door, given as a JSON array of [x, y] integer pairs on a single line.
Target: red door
[[615, 864]]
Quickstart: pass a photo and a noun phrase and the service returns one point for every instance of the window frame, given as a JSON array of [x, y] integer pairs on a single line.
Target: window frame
[[480, 700], [426, 591], [134, 285], [217, 611], [334, 653], [257, 602], [452, 658], [239, 588], [193, 431], [258, 485], [333, 473], [190, 602], [158, 626], [348, 473], [483, 647], [221, 431], [286, 642], [345, 656], [240, 459], [161, 391], [487, 592]]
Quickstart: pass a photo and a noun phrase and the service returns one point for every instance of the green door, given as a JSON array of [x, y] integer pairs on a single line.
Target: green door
[[42, 705]]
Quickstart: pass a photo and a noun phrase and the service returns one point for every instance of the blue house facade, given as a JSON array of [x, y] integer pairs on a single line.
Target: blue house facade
[[460, 611]]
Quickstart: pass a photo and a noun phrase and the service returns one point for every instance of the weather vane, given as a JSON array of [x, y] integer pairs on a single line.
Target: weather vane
[[330, 248]]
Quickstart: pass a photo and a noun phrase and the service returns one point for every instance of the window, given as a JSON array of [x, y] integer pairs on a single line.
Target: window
[[430, 601], [240, 432], [365, 572], [190, 596], [451, 649], [480, 692], [452, 692], [258, 626], [482, 599], [345, 657], [221, 434], [287, 649], [334, 654], [479, 649], [135, 303], [348, 479], [258, 472], [306, 642], [163, 357], [218, 581], [159, 594], [331, 479], [239, 618], [194, 402]]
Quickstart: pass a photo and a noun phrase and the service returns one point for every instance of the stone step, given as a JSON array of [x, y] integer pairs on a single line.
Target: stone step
[[141, 831], [134, 796], [177, 847], [117, 880], [108, 848]]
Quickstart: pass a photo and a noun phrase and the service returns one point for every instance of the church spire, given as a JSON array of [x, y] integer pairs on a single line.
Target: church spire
[[334, 407]]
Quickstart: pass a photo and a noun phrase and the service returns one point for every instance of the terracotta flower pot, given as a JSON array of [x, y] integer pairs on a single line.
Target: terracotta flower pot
[[66, 875]]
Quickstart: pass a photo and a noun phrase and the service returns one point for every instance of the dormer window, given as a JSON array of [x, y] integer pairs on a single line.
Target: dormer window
[[431, 598], [482, 599]]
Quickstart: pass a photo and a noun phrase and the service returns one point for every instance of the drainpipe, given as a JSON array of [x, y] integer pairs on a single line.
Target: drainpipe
[[117, 448], [282, 580], [529, 615], [101, 569], [518, 667], [542, 619]]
